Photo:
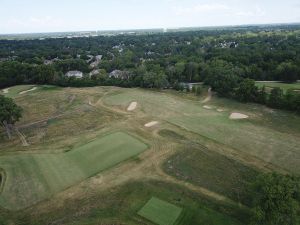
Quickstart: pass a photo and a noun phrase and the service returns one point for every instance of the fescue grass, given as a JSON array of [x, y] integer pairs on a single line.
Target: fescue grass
[[34, 177], [160, 212], [212, 171]]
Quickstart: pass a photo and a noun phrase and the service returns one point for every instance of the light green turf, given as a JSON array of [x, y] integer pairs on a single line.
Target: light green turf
[[15, 90], [284, 86], [273, 136], [33, 177], [160, 212]]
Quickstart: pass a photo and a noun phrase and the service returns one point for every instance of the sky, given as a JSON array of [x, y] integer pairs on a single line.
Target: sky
[[34, 16]]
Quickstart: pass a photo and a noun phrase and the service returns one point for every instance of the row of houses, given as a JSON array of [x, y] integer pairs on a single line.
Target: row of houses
[[117, 74]]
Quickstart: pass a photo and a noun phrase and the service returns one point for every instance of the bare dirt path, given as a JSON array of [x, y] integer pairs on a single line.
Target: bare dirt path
[[209, 96], [22, 137], [100, 103]]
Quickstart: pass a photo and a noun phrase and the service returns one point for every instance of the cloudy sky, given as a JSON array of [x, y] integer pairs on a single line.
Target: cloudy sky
[[26, 16]]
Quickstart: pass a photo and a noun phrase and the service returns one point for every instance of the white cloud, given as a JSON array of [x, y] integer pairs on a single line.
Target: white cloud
[[200, 8], [257, 12]]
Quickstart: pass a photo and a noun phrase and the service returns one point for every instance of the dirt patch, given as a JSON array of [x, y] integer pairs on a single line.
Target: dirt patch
[[151, 124], [221, 110], [22, 138], [171, 134], [207, 107], [132, 106], [209, 95], [238, 116], [24, 92], [5, 91]]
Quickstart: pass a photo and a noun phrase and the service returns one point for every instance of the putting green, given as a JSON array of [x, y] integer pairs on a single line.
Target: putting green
[[160, 212], [31, 178], [284, 86]]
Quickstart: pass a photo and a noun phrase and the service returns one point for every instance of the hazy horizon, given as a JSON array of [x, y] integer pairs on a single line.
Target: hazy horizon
[[33, 16]]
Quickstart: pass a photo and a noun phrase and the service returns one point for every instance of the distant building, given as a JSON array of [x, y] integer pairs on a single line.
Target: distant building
[[51, 61], [97, 61], [119, 74], [94, 72], [74, 73]]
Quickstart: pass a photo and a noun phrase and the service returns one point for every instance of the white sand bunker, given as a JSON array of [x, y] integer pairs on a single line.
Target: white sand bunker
[[24, 92], [132, 106], [151, 124], [207, 107], [238, 116], [5, 91], [221, 110]]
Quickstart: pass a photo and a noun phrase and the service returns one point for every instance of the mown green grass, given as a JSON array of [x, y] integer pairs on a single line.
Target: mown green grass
[[284, 86], [15, 90], [160, 212], [34, 177]]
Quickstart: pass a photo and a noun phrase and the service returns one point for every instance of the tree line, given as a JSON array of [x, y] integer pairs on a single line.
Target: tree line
[[223, 59]]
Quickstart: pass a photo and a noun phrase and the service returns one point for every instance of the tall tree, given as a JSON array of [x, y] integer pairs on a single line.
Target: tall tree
[[10, 113], [223, 77], [276, 98], [287, 72], [247, 91], [276, 200]]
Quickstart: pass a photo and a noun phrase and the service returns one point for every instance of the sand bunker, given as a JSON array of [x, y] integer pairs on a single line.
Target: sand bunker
[[221, 110], [5, 91], [207, 107], [24, 92], [151, 124], [132, 106], [238, 116]]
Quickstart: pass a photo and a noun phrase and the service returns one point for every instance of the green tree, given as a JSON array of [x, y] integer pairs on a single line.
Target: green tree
[[191, 71], [276, 200], [198, 90], [223, 77], [10, 113], [276, 98], [154, 80], [247, 91], [287, 72], [262, 95], [194, 89], [179, 69]]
